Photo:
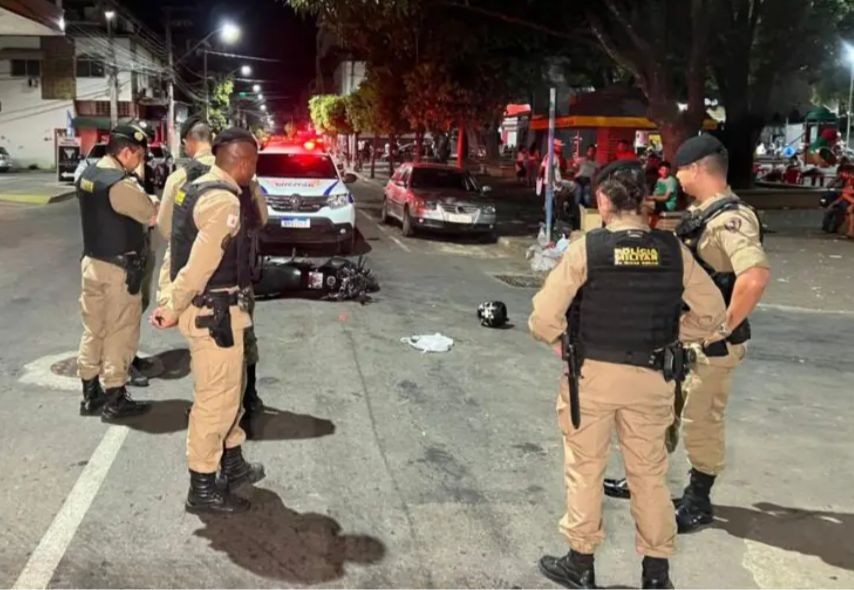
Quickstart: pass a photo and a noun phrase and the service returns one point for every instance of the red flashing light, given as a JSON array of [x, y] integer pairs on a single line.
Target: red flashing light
[[309, 145]]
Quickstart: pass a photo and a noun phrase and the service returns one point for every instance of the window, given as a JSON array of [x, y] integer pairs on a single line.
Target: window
[[88, 67], [439, 178], [26, 68], [295, 166]]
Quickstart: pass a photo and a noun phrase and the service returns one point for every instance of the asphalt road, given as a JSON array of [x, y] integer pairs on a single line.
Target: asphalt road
[[387, 467]]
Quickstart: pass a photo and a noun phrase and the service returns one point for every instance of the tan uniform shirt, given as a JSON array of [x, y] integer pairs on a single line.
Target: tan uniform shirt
[[174, 182], [127, 197], [730, 242], [217, 216], [548, 320]]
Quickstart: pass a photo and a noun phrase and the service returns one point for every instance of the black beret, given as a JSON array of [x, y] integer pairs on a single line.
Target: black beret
[[187, 125], [618, 167], [231, 135], [697, 148], [132, 132]]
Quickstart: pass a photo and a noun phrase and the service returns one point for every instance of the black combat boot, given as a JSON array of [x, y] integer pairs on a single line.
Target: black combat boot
[[252, 404], [135, 376], [694, 510], [235, 471], [617, 488], [656, 573], [573, 570], [120, 405], [93, 397], [205, 496]]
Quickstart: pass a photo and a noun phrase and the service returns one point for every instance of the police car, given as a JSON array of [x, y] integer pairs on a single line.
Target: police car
[[308, 200]]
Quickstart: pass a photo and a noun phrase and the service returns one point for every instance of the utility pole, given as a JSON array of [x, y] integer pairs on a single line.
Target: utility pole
[[848, 115], [114, 73], [170, 88], [550, 175], [207, 89]]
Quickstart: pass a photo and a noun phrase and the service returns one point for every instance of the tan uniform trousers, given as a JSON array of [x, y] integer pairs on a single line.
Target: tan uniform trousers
[[706, 393], [640, 404], [218, 390], [111, 318]]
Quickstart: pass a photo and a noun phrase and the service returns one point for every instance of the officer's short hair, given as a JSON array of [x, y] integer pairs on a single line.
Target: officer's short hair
[[201, 131], [716, 163], [117, 143], [623, 184]]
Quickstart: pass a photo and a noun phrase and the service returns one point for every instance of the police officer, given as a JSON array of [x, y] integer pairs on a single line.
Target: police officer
[[725, 237], [209, 267], [115, 213], [196, 137], [624, 288]]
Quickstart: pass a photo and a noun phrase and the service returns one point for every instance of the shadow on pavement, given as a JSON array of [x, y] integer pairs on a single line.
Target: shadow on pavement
[[169, 365], [171, 415], [275, 424], [278, 543], [827, 535]]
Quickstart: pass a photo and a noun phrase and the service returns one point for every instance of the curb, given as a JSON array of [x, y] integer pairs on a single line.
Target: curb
[[36, 199]]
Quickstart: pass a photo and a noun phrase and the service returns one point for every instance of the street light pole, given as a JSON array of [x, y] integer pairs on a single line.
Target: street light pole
[[207, 90], [114, 74], [850, 95], [170, 89]]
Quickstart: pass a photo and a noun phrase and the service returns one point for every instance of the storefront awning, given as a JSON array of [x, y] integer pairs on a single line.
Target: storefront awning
[[541, 123]]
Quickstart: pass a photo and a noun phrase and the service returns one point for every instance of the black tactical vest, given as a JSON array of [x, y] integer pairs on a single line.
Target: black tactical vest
[[234, 268], [195, 169], [690, 231], [629, 306], [106, 233]]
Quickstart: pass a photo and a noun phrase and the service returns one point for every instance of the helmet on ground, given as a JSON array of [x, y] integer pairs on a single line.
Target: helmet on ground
[[492, 314]]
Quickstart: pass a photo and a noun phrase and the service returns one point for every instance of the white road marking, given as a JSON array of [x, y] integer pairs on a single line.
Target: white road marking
[[44, 560], [38, 373], [799, 309], [397, 241]]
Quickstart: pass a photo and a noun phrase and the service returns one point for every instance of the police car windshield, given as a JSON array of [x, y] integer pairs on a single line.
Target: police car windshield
[[296, 166], [438, 178]]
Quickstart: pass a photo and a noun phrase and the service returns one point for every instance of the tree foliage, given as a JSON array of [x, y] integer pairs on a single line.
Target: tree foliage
[[220, 103], [328, 114]]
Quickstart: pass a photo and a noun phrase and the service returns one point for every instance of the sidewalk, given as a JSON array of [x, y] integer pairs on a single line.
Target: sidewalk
[[34, 188]]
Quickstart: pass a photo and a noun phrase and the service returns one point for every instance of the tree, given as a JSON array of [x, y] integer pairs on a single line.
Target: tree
[[220, 103], [328, 114], [759, 46]]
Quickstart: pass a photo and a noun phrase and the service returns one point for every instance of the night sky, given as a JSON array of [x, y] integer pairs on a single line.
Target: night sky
[[269, 28]]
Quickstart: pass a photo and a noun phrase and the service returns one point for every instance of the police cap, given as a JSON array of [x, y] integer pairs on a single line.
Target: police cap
[[232, 135], [697, 148], [187, 125], [131, 132]]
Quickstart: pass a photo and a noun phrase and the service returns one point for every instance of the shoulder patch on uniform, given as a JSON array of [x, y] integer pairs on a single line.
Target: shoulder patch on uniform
[[179, 197], [231, 221], [733, 224], [87, 185]]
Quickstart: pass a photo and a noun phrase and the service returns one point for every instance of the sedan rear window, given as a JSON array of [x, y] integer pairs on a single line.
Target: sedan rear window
[[296, 166], [439, 178]]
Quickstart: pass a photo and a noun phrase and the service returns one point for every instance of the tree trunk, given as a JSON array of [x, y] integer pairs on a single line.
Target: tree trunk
[[392, 144], [374, 157], [461, 145], [419, 140], [740, 137], [672, 136], [493, 149]]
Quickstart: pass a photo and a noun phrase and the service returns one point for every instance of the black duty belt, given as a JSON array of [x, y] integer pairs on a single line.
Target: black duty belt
[[210, 298], [121, 260], [648, 360]]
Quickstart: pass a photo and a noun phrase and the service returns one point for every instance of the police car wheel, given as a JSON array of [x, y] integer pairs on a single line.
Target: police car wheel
[[408, 230], [347, 246]]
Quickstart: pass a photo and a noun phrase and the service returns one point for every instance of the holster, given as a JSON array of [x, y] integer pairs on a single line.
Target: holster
[[134, 265], [570, 353], [676, 362], [219, 323]]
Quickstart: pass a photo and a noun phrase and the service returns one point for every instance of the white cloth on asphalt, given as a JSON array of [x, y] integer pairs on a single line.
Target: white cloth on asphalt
[[429, 342]]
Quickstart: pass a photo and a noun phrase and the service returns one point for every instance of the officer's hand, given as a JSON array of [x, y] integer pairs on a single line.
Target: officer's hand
[[558, 350], [163, 318]]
